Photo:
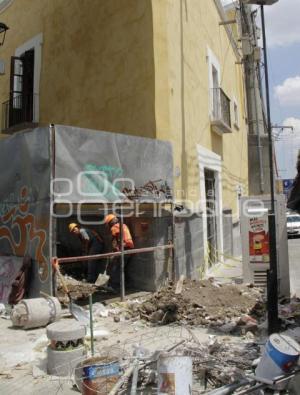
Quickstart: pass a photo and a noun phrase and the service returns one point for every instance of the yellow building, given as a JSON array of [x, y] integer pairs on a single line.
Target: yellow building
[[166, 69]]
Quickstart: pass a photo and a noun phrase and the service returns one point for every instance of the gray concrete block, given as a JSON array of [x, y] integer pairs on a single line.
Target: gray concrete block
[[33, 313], [63, 363], [66, 330]]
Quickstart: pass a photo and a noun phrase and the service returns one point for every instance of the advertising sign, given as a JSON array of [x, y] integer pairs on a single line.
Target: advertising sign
[[259, 247]]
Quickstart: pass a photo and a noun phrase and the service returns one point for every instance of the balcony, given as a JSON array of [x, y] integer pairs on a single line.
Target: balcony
[[19, 112], [220, 117]]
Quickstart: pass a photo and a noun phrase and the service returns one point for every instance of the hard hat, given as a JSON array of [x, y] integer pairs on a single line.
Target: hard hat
[[109, 218], [72, 226]]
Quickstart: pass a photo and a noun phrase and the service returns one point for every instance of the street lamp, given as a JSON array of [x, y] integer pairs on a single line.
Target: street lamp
[[3, 29]]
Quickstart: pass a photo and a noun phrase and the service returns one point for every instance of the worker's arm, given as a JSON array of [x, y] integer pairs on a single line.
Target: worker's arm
[[115, 244], [115, 232], [85, 241]]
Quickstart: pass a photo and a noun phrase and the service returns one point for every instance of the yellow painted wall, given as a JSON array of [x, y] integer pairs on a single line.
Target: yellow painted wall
[[182, 92], [138, 67], [97, 61]]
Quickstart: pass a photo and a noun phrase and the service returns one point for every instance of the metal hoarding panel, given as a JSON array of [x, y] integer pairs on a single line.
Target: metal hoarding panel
[[24, 201], [103, 166]]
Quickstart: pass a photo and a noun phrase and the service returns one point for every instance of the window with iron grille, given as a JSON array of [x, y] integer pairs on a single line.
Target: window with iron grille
[[21, 96]]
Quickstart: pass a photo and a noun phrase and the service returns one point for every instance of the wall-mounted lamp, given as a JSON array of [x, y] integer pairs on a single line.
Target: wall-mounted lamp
[[3, 29]]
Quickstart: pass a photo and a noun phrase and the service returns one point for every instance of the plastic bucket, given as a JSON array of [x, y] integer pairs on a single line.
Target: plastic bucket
[[175, 375], [99, 375], [280, 356]]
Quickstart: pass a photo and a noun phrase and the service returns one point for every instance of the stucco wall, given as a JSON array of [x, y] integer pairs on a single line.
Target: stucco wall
[[97, 61], [182, 95], [139, 67]]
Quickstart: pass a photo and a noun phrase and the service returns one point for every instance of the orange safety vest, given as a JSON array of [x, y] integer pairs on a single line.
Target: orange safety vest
[[127, 239]]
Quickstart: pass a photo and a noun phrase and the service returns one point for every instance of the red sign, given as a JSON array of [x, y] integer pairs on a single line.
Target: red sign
[[259, 246]]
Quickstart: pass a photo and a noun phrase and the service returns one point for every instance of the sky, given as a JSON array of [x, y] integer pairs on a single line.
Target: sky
[[283, 42], [283, 37]]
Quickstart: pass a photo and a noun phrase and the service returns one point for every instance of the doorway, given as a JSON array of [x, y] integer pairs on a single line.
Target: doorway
[[211, 216]]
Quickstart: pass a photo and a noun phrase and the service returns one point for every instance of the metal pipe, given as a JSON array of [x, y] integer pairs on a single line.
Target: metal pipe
[[135, 378], [172, 242], [122, 274], [91, 324], [273, 322], [52, 220], [113, 254], [268, 110], [229, 388]]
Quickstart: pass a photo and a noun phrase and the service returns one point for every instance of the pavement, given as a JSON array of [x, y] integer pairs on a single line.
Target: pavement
[[232, 269], [229, 271], [23, 352]]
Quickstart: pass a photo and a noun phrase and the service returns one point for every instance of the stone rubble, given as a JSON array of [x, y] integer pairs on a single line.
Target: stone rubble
[[228, 308]]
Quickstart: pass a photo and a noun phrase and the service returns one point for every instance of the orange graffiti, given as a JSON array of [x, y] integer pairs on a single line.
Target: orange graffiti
[[19, 218]]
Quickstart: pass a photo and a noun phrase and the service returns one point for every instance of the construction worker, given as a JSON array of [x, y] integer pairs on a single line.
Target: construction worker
[[92, 244], [113, 224]]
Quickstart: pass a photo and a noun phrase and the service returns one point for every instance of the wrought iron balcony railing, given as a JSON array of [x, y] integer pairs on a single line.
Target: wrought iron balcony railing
[[19, 109], [221, 117]]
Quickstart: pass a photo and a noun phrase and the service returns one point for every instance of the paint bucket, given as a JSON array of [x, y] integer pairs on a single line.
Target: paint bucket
[[280, 356], [175, 375], [99, 375]]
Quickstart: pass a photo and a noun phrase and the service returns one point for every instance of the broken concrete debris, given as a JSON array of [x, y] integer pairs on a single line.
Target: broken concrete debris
[[33, 313], [218, 362], [78, 289], [207, 366], [203, 303], [289, 311]]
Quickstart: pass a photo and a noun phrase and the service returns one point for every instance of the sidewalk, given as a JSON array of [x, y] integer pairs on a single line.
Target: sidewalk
[[229, 271]]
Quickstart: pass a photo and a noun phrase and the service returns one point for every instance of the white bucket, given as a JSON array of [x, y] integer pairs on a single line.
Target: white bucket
[[280, 355], [175, 375]]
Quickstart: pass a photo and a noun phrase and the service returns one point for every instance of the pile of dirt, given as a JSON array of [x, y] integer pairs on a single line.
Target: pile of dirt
[[203, 303], [78, 289]]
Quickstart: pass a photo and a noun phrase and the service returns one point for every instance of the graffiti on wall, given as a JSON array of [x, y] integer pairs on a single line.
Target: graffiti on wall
[[18, 227], [101, 181]]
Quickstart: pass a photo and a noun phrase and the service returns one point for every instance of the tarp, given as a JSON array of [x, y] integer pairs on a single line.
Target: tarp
[[24, 201], [90, 166], [102, 166]]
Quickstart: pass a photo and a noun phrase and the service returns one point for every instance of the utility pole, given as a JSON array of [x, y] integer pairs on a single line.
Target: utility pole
[[272, 285], [272, 282], [257, 137]]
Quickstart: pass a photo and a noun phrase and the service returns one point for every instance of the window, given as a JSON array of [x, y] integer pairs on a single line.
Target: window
[[215, 92], [22, 105], [219, 102], [21, 98], [214, 82]]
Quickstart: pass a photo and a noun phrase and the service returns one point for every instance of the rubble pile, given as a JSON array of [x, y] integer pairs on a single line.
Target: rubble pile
[[222, 362], [204, 303], [78, 289], [289, 310], [215, 363]]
